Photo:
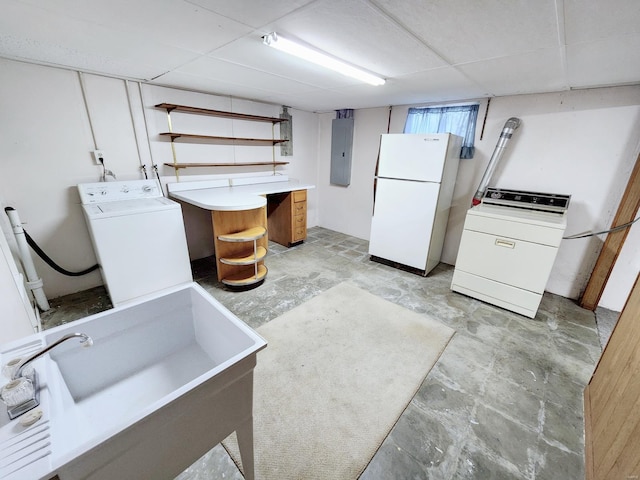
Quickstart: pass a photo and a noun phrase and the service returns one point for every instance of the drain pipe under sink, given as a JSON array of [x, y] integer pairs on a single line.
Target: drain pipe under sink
[[33, 281]]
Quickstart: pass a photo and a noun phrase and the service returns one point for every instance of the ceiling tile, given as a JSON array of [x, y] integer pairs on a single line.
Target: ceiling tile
[[218, 72], [414, 89], [436, 85], [602, 63], [316, 101], [464, 31], [203, 84], [165, 22], [357, 33], [249, 51], [252, 12], [589, 20], [540, 71], [33, 34], [429, 51]]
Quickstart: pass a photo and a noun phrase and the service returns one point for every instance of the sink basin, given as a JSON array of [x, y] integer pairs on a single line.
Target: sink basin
[[167, 378]]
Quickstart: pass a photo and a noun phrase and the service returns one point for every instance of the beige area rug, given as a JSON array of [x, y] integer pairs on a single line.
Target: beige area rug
[[337, 373]]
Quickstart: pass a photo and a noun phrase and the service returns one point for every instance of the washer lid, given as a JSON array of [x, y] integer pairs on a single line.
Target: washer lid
[[128, 207]]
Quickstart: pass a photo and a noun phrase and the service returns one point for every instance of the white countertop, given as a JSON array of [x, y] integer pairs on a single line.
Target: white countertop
[[233, 198]]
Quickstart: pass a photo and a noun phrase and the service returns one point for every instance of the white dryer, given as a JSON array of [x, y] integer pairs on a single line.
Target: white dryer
[[508, 247], [138, 236]]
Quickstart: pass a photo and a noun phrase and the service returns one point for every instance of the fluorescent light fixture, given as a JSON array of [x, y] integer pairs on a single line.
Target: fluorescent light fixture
[[276, 41]]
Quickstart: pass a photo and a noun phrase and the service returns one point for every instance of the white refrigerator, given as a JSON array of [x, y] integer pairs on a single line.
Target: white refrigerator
[[414, 186]]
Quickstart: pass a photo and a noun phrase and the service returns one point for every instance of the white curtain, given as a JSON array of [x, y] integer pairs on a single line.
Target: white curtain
[[459, 120]]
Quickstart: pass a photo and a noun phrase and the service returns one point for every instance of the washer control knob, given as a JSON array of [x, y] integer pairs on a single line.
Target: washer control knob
[[147, 189]]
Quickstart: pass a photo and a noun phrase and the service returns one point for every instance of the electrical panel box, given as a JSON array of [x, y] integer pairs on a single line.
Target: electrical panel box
[[341, 149]]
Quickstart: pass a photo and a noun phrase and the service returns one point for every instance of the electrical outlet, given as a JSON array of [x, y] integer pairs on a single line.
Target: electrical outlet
[[98, 157]]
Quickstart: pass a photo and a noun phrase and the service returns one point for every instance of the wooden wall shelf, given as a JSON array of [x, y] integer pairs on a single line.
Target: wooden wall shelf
[[195, 165], [218, 140], [222, 140], [170, 107]]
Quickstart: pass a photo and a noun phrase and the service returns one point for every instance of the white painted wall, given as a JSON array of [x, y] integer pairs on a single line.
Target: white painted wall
[[624, 273], [17, 315], [47, 133], [349, 209], [15, 322], [46, 142], [582, 143]]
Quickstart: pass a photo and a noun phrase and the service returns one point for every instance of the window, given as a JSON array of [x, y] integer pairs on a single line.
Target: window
[[459, 120]]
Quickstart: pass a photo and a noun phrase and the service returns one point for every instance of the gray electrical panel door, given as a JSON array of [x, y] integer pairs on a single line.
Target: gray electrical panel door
[[341, 146]]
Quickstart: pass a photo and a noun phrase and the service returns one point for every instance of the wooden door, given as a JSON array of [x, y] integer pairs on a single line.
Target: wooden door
[[612, 401]]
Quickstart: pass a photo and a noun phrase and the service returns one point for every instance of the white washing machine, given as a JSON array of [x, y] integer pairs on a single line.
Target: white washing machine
[[138, 236], [508, 247]]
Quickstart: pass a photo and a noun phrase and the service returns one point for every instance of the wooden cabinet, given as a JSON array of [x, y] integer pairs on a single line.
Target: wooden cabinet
[[241, 242], [299, 215], [287, 217]]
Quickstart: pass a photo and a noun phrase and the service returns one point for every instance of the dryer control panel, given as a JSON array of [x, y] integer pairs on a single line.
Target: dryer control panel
[[545, 202], [102, 192]]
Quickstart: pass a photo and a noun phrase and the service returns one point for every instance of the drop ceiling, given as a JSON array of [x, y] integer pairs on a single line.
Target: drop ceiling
[[428, 50]]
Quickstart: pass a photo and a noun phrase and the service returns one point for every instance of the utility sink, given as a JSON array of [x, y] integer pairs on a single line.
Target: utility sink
[[167, 378]]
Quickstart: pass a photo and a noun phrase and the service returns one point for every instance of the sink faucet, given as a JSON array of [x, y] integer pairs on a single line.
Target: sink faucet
[[85, 341], [15, 410]]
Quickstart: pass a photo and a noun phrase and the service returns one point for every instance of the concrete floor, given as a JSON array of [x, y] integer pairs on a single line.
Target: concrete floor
[[503, 402], [606, 320]]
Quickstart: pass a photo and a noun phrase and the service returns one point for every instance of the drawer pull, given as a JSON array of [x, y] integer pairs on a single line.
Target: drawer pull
[[505, 243]]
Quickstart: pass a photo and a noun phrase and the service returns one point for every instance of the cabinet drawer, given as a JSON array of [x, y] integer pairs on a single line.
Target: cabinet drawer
[[299, 233], [299, 221], [507, 260], [300, 208], [299, 196], [513, 229]]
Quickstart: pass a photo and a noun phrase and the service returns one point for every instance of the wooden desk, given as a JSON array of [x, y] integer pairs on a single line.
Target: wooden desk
[[244, 217]]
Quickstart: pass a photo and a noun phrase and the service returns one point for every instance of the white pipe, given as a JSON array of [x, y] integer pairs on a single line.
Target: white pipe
[[33, 281]]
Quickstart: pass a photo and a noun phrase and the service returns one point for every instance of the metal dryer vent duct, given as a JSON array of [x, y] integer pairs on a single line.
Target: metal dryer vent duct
[[507, 131]]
